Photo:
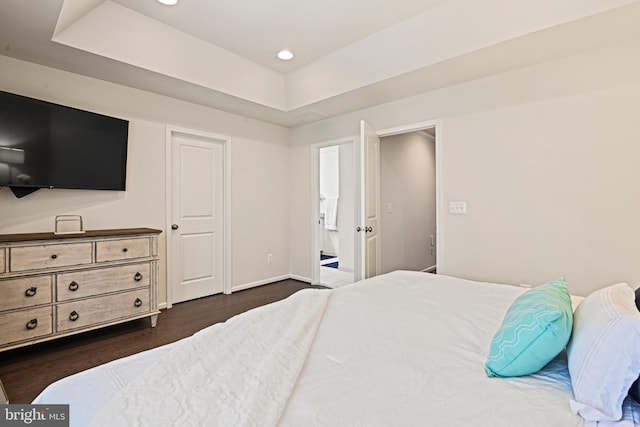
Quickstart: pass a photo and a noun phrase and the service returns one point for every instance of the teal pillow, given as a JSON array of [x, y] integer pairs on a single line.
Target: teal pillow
[[535, 329]]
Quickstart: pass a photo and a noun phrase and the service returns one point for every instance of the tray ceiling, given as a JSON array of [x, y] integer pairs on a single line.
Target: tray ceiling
[[349, 55]]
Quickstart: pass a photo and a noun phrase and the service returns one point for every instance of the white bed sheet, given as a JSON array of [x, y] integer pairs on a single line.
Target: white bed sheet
[[404, 348]]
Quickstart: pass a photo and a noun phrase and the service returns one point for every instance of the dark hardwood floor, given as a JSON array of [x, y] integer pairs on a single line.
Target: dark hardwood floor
[[26, 371]]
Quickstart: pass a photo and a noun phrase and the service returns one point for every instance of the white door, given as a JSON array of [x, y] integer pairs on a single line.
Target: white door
[[196, 217], [370, 216]]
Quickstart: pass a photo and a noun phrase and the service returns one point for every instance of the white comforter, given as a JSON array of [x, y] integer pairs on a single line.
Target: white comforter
[[245, 369], [401, 349]]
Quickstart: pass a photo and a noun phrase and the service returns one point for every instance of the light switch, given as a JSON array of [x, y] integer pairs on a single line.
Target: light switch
[[458, 207], [389, 208]]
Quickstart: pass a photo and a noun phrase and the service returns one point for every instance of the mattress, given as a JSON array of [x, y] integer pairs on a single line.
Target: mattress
[[404, 348]]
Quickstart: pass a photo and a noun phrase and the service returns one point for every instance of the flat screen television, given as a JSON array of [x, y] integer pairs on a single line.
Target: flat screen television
[[46, 145]]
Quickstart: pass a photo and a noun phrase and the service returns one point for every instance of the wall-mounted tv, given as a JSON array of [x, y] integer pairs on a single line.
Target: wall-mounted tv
[[46, 145]]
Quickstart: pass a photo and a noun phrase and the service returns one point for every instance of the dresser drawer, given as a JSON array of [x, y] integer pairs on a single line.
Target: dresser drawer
[[87, 283], [122, 249], [25, 325], [25, 258], [2, 258], [25, 292], [78, 314]]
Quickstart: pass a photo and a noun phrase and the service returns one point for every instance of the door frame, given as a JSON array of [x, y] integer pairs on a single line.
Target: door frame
[[226, 197], [315, 201], [413, 127]]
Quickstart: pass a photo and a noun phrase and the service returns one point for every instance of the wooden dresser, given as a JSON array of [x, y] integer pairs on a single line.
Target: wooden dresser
[[57, 285]]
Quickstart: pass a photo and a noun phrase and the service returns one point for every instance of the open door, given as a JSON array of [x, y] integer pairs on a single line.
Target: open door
[[369, 205]]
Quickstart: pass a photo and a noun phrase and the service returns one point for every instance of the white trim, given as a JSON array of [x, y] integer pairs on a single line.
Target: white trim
[[167, 214], [412, 127], [430, 269], [315, 202], [300, 278], [227, 272], [226, 220], [163, 306], [359, 249], [261, 282], [439, 194]]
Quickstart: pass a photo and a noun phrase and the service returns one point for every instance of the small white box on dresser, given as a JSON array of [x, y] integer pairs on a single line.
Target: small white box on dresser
[[58, 285]]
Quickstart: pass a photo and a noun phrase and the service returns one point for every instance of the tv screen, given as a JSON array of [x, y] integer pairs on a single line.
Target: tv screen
[[49, 145]]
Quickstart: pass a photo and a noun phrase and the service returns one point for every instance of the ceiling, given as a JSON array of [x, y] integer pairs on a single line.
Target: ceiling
[[348, 55], [257, 30]]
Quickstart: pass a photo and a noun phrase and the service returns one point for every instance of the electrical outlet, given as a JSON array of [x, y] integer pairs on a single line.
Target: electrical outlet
[[269, 257], [458, 207]]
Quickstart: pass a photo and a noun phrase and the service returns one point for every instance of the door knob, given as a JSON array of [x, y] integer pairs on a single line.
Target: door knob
[[368, 229], [358, 229], [174, 226]]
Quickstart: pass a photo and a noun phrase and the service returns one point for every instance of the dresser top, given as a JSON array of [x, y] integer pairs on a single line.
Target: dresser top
[[25, 237]]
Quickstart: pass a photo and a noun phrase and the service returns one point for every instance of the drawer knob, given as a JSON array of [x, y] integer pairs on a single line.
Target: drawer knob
[[137, 277], [30, 292], [73, 316], [124, 249], [54, 256], [137, 302], [73, 286], [31, 324]]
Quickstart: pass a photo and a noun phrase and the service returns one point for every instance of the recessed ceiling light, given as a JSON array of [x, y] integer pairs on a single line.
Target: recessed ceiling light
[[168, 2], [285, 55]]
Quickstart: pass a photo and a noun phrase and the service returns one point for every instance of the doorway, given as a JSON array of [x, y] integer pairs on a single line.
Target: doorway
[[408, 202], [372, 208], [334, 214]]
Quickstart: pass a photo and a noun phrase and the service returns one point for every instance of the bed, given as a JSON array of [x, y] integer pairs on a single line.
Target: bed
[[400, 349]]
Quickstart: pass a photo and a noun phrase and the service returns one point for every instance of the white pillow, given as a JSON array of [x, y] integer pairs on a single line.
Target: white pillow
[[604, 352]]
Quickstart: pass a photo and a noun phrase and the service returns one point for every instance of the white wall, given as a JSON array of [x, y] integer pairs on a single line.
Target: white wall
[[329, 159], [554, 194], [330, 171], [546, 158], [259, 162], [408, 202], [260, 208]]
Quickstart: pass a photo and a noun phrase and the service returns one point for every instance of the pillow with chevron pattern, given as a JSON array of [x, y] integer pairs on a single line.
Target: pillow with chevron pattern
[[535, 329]]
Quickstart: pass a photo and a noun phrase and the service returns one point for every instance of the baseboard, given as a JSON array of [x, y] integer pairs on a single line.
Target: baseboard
[[268, 281], [430, 269], [259, 283], [164, 305], [300, 278]]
